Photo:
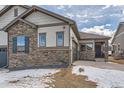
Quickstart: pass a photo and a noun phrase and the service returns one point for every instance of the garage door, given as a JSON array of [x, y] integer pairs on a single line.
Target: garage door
[[3, 57]]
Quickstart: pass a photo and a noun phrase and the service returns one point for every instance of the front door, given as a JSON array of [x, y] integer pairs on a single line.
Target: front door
[[98, 50], [3, 57]]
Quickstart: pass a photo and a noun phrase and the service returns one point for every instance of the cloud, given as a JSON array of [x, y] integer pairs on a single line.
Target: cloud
[[1, 7], [69, 6], [70, 15], [97, 16], [79, 16], [84, 21], [108, 25], [105, 7], [60, 7], [101, 30]]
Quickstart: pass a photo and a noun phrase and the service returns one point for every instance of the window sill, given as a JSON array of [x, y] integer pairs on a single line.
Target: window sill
[[54, 48], [20, 53]]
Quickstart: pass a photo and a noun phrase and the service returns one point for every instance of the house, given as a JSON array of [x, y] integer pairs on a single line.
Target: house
[[93, 46], [118, 42], [35, 37]]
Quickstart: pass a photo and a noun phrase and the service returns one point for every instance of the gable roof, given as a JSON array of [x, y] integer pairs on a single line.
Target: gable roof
[[72, 23], [119, 26], [8, 7], [65, 19], [36, 8], [24, 21], [89, 36]]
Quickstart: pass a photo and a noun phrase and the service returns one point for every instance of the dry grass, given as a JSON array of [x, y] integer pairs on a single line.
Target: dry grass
[[65, 79], [119, 61], [14, 81]]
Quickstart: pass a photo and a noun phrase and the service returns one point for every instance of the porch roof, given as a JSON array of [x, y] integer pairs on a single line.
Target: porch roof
[[90, 36]]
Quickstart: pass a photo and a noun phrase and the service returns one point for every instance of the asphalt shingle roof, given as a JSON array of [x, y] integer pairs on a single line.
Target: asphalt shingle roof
[[84, 35]]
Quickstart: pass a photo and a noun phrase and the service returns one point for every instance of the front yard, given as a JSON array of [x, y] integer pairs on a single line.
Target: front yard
[[75, 77], [119, 61], [26, 78]]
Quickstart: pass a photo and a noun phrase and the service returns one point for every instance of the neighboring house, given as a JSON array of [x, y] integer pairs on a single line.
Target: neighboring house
[[35, 37], [93, 46], [118, 42]]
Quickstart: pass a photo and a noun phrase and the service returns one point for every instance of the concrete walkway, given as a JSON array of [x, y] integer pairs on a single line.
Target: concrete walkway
[[103, 65]]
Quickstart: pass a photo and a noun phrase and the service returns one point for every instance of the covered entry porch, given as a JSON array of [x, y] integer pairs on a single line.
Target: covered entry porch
[[93, 47]]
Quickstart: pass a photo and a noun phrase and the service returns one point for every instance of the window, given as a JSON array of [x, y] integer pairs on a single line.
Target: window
[[15, 12], [60, 39], [42, 39], [87, 47], [21, 44]]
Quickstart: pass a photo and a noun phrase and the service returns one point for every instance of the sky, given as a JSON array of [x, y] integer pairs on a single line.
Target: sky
[[100, 19]]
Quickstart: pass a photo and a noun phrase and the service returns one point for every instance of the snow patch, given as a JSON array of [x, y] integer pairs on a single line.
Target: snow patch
[[26, 78], [104, 78]]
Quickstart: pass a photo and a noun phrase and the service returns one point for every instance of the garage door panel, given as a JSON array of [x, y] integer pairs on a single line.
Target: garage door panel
[[3, 57]]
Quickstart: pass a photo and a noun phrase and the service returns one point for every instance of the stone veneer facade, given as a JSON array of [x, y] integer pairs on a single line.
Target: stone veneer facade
[[87, 55], [37, 56]]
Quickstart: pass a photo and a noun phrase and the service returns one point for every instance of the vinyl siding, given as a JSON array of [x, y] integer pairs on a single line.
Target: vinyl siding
[[6, 19], [3, 38], [39, 18], [51, 35], [73, 37], [119, 39], [9, 16], [121, 29]]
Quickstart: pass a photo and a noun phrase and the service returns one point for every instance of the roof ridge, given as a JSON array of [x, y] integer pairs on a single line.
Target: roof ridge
[[85, 35], [93, 34]]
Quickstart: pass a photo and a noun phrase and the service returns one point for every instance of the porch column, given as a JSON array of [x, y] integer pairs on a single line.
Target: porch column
[[106, 50]]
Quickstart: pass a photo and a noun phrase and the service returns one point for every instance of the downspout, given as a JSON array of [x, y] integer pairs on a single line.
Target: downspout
[[70, 61]]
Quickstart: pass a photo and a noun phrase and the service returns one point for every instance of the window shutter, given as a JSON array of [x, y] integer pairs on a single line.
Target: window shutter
[[14, 44], [26, 44]]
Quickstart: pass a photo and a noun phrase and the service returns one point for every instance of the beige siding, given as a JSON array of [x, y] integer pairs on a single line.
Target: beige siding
[[9, 16], [121, 29], [6, 19], [3, 38], [119, 40], [73, 37], [51, 35], [39, 18]]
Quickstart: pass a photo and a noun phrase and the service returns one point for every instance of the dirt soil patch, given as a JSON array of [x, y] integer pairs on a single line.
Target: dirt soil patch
[[119, 61], [65, 79], [14, 81]]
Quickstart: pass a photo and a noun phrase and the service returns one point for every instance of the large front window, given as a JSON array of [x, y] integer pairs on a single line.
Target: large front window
[[42, 39], [21, 44], [87, 47], [60, 39]]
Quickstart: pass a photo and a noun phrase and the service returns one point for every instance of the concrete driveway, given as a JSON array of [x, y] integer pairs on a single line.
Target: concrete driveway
[[103, 65]]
